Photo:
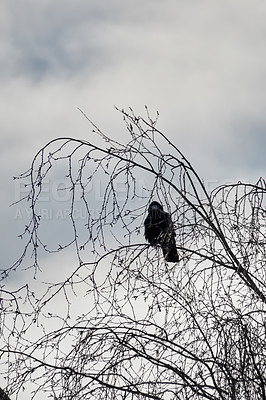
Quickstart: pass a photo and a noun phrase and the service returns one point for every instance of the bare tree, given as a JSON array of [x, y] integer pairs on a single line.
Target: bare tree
[[130, 325]]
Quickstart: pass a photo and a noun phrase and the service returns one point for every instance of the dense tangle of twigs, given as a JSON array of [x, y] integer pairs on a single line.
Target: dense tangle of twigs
[[144, 329]]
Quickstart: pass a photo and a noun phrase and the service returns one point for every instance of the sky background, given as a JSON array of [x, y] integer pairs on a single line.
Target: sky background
[[200, 63]]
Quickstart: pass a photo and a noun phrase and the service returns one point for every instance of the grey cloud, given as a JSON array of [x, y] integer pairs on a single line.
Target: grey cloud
[[248, 146], [46, 45], [202, 65], [62, 38]]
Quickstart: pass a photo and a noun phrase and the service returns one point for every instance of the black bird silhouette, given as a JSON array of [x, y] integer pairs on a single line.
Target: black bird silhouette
[[159, 230], [3, 395]]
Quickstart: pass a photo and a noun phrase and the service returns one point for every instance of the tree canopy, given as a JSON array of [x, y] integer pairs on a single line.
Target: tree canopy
[[116, 321]]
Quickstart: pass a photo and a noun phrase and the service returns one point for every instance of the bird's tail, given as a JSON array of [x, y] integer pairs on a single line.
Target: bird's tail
[[170, 251]]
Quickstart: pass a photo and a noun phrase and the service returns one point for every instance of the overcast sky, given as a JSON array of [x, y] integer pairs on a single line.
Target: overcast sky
[[201, 64]]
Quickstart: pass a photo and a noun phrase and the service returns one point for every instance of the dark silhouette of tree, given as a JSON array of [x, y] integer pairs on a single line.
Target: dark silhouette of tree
[[123, 323]]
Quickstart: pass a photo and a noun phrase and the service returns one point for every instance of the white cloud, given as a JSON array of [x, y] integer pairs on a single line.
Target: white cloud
[[200, 64]]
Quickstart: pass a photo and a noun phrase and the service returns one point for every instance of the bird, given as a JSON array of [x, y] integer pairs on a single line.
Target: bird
[[3, 395], [159, 230]]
